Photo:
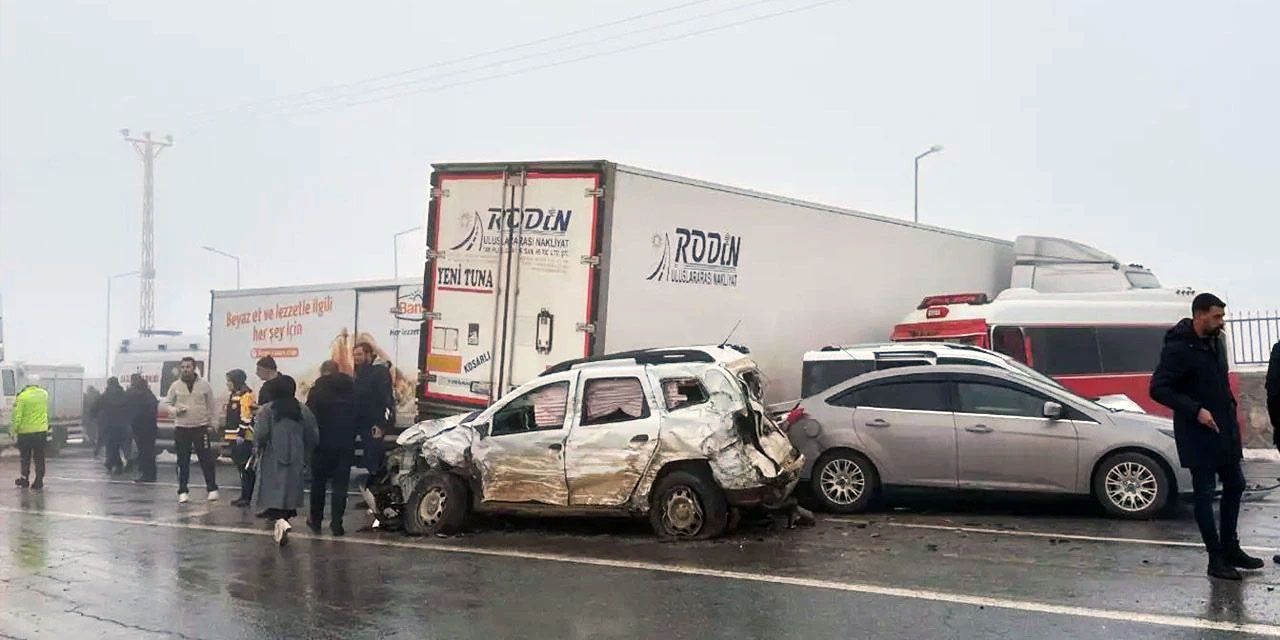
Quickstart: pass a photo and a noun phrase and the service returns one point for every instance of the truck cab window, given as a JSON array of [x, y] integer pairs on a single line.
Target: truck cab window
[[1010, 341], [10, 383]]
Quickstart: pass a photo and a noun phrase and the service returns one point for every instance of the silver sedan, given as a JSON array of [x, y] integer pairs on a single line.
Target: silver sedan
[[980, 428]]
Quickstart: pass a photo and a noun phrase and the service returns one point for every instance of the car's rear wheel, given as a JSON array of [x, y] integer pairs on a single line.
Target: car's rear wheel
[[437, 505], [1132, 486], [844, 482], [688, 505]]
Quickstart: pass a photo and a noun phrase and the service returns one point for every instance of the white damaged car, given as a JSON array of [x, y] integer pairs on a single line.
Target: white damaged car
[[677, 435]]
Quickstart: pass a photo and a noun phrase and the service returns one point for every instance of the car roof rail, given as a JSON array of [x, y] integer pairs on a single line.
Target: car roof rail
[[642, 356]]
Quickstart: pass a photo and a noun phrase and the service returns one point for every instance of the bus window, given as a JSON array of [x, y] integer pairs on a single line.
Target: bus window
[[10, 383], [1009, 341], [1065, 351], [1130, 349]]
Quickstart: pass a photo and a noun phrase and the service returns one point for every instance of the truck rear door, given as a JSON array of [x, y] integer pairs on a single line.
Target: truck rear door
[[511, 279]]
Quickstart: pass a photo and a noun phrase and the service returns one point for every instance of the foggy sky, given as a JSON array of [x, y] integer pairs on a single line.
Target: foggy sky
[[1147, 129]]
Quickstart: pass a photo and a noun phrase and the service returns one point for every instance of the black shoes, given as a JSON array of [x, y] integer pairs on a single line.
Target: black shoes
[[313, 526], [1219, 568], [240, 502], [22, 482], [1236, 557], [337, 530]]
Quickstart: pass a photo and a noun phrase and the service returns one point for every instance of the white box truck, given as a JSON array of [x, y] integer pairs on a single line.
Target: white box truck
[[303, 326], [531, 264], [65, 384]]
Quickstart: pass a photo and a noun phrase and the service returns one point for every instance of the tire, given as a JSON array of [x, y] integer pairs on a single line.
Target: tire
[[437, 505], [688, 505], [1132, 486], [844, 482]]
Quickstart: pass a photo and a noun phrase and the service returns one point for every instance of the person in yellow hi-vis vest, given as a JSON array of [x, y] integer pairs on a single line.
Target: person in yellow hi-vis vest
[[30, 427], [238, 432]]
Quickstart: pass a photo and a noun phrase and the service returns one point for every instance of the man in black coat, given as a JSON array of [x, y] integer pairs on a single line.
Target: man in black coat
[[1273, 393], [333, 401], [375, 405], [1191, 379]]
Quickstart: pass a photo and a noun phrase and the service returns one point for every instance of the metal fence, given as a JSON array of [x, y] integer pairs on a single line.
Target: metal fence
[[1252, 335]]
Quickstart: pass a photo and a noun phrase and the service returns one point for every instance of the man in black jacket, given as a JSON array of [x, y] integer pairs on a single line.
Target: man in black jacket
[[1273, 393], [375, 405], [333, 401], [1192, 380]]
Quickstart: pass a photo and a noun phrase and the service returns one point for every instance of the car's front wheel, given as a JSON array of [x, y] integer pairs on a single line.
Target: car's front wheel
[[1131, 486], [437, 505], [688, 506]]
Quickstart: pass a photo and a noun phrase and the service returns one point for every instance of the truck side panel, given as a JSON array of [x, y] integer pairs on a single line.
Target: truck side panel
[[688, 261]]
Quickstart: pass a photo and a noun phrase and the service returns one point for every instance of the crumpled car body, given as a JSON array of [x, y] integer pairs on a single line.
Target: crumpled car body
[[598, 436]]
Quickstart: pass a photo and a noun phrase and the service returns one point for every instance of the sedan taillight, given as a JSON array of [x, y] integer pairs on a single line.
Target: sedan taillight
[[797, 414]]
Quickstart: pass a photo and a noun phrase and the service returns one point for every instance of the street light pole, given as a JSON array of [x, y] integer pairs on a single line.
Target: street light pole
[[227, 255], [395, 247], [916, 201], [107, 365]]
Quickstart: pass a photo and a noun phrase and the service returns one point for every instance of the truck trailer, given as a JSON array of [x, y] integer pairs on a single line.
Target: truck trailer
[[530, 264]]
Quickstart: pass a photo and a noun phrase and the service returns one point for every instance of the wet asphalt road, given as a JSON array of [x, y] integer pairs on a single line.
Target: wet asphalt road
[[90, 558]]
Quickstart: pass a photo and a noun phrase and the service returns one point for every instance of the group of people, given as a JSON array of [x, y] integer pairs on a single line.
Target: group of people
[[274, 438]]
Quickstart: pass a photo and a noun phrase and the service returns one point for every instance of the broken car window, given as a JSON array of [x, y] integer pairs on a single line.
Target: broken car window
[[609, 400], [542, 409], [683, 392]]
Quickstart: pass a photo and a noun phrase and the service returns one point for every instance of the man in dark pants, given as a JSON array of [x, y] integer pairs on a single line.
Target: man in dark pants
[[1192, 380], [333, 401], [375, 405], [1273, 393]]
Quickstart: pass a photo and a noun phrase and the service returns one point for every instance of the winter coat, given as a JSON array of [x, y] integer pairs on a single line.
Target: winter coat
[[114, 415], [143, 405], [374, 396], [1273, 393], [284, 450], [197, 399], [1192, 375], [30, 411], [333, 401]]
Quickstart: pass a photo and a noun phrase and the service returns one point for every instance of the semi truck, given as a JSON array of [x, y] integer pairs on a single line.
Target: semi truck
[[530, 264], [65, 384], [303, 326]]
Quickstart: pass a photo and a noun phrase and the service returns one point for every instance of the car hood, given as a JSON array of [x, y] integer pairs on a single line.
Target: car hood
[[1141, 420]]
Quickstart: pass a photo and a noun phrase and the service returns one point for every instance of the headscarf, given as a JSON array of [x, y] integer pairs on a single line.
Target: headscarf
[[284, 400], [238, 379]]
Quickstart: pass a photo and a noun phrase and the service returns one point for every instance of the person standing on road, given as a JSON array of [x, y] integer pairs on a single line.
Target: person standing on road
[[375, 405], [333, 401], [190, 399], [270, 375], [1191, 379], [90, 425], [114, 419], [1273, 393], [30, 427], [238, 429], [142, 405], [286, 436]]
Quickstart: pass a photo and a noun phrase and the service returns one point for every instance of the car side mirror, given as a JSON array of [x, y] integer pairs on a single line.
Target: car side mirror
[[1052, 410]]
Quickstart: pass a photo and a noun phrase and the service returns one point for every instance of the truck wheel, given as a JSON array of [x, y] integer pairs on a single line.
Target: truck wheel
[[437, 505], [688, 506], [844, 482], [1132, 486]]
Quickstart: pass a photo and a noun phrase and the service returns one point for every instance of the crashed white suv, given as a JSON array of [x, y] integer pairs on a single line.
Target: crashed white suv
[[679, 435]]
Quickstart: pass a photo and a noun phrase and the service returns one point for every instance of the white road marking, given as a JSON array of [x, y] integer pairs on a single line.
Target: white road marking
[[1156, 619], [174, 485], [1042, 534]]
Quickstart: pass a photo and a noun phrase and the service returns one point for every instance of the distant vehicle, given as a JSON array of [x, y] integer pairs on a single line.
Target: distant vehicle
[[956, 427], [158, 358], [531, 264], [1075, 313], [65, 384], [303, 326], [830, 366], [678, 435]]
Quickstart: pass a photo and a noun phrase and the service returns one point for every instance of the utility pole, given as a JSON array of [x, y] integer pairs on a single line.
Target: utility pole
[[148, 149]]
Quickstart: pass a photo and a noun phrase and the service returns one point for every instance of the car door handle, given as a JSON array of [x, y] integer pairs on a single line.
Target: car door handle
[[640, 439], [556, 447], [978, 428], [878, 423]]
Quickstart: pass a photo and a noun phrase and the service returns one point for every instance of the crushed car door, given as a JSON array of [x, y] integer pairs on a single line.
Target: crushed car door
[[521, 456], [614, 436]]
